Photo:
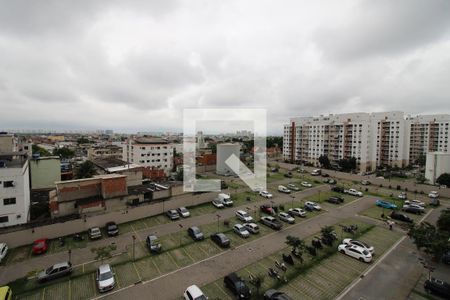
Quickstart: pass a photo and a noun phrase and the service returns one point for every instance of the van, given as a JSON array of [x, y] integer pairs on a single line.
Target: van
[[283, 189], [225, 199], [5, 293]]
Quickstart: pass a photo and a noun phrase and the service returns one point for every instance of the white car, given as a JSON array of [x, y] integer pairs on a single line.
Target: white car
[[266, 194], [416, 202], [182, 211], [252, 227], [283, 189], [306, 184], [194, 293], [105, 278], [357, 252], [358, 243], [312, 205], [3, 251], [217, 203], [298, 212], [354, 192], [243, 216], [402, 196], [433, 194], [241, 230], [285, 217]]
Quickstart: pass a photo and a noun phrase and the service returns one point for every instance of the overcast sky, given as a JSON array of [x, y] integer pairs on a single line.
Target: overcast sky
[[134, 65]]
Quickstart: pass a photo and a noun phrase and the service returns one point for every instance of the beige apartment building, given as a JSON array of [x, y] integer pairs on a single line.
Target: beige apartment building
[[374, 139]]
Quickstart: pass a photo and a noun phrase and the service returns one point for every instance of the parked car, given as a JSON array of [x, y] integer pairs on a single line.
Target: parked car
[[288, 175], [272, 294], [6, 293], [325, 175], [385, 204], [94, 233], [112, 229], [329, 181], [195, 233], [306, 184], [225, 199], [153, 243], [252, 227], [359, 243], [365, 182], [413, 208], [283, 189], [416, 202], [316, 172], [297, 212], [240, 230], [356, 252], [193, 292], [301, 170], [338, 189], [293, 187], [354, 192], [401, 217], [182, 211], [221, 239], [285, 217], [265, 194], [265, 208], [237, 286], [311, 206], [217, 203], [435, 202], [271, 222], [3, 251], [335, 200], [105, 278], [433, 194], [402, 196], [40, 246], [55, 271], [438, 287], [172, 214], [243, 216]]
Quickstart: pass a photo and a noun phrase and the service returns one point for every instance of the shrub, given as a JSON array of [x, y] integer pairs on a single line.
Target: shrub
[[281, 207], [381, 185], [398, 188]]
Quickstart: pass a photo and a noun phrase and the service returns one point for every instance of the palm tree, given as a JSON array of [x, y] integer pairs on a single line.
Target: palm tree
[[298, 246]]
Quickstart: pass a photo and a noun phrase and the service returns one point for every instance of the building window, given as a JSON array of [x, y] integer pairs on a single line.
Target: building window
[[7, 184], [4, 219], [9, 201]]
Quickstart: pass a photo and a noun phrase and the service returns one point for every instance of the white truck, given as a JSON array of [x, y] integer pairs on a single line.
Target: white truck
[[225, 199], [353, 192]]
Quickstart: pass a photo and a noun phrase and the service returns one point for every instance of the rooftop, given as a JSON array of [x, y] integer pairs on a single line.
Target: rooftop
[[150, 140]]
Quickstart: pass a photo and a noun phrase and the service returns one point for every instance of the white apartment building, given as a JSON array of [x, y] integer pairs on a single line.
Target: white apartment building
[[14, 189], [374, 139], [152, 152]]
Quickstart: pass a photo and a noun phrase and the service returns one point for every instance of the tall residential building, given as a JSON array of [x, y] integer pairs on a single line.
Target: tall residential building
[[14, 188], [150, 152], [374, 139]]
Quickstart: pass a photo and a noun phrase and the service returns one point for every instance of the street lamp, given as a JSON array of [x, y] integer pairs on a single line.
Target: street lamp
[[70, 255], [292, 201], [134, 239], [181, 232], [218, 223]]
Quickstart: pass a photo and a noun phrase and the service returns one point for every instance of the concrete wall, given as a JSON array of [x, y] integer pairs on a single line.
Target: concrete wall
[[437, 164], [24, 237], [45, 172]]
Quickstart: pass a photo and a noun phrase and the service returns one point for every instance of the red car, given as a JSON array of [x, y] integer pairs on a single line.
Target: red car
[[267, 209], [40, 246]]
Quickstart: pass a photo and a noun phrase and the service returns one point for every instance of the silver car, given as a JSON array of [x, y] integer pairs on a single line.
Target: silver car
[[105, 278], [55, 271]]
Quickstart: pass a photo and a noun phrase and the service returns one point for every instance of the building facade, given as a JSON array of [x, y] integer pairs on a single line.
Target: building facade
[[14, 190], [155, 153], [437, 163], [106, 151], [45, 171], [374, 139]]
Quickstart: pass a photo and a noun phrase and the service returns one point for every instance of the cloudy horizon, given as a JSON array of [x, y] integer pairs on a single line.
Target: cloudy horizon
[[134, 66]]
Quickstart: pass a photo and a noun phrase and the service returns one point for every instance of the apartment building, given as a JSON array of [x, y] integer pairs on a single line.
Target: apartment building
[[374, 139], [155, 153], [14, 188], [104, 151]]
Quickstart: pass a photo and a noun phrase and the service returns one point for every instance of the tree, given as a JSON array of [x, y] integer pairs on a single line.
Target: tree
[[85, 170], [297, 244], [421, 160], [83, 140], [102, 253], [444, 179], [64, 152], [421, 178], [347, 164], [443, 222], [428, 238], [179, 175], [39, 150], [324, 161], [273, 141]]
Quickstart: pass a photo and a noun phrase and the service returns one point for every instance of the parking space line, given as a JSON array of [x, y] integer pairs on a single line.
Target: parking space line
[[187, 254], [221, 289], [173, 259], [117, 277], [70, 289], [137, 272], [43, 294], [157, 269]]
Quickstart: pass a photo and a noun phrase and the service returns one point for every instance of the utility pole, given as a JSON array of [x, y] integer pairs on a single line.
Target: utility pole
[[181, 232], [218, 223], [134, 239]]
